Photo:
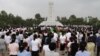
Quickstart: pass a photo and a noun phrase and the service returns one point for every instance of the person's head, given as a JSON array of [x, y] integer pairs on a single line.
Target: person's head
[[35, 36], [68, 30], [50, 35], [8, 33], [13, 38], [52, 46], [39, 36], [21, 32], [83, 46], [90, 39], [25, 35], [17, 33], [2, 37], [23, 47], [72, 39], [63, 32]]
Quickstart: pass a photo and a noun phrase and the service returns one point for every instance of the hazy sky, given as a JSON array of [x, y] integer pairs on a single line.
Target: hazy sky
[[28, 8]]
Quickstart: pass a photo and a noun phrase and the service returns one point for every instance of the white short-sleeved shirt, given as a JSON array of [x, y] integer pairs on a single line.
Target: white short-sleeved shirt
[[55, 36], [68, 35], [62, 39], [29, 39], [13, 48], [7, 39], [35, 45], [84, 53], [20, 36]]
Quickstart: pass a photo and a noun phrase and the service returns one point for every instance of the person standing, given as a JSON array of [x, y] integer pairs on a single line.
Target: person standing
[[2, 46], [23, 50], [73, 48], [91, 47], [52, 52], [62, 41], [7, 38], [82, 51], [13, 47], [98, 43], [35, 46]]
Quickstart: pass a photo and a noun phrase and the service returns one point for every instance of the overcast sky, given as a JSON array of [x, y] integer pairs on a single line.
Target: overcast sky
[[28, 8]]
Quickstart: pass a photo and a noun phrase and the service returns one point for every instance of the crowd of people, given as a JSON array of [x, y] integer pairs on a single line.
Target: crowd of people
[[60, 41]]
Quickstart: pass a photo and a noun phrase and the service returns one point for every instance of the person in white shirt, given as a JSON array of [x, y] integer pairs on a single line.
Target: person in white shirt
[[13, 47], [62, 41], [82, 51], [68, 35], [40, 42], [29, 39], [20, 36], [80, 36], [55, 37], [7, 38], [51, 51], [35, 46]]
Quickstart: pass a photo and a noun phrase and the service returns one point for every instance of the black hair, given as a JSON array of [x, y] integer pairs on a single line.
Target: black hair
[[35, 36], [21, 32], [83, 46], [22, 48], [71, 39], [90, 39], [63, 32], [13, 38], [8, 33], [39, 36], [2, 36], [50, 35], [17, 33], [52, 46], [25, 35]]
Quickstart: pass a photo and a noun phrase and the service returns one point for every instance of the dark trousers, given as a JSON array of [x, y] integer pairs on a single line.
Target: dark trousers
[[13, 55], [98, 50], [35, 53], [62, 47]]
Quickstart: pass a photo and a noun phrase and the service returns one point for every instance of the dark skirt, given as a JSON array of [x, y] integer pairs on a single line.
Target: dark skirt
[[13, 55], [62, 47], [35, 53]]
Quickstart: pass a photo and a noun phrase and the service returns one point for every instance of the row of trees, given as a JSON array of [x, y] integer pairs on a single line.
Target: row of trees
[[11, 20], [16, 21], [73, 20]]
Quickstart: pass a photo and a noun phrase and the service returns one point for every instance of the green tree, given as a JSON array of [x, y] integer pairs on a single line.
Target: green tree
[[37, 16]]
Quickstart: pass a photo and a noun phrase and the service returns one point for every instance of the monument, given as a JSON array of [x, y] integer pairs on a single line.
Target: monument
[[50, 21]]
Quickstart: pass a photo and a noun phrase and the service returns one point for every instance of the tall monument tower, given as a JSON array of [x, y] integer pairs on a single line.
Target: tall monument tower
[[50, 10], [50, 21]]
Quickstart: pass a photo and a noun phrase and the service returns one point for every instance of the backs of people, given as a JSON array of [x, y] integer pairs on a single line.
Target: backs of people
[[2, 44], [13, 48], [84, 53], [35, 45]]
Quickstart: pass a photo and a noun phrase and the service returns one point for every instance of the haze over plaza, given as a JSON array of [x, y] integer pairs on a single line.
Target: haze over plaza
[[28, 8]]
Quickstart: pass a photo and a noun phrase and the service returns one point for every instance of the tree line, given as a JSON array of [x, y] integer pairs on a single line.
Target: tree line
[[17, 21]]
